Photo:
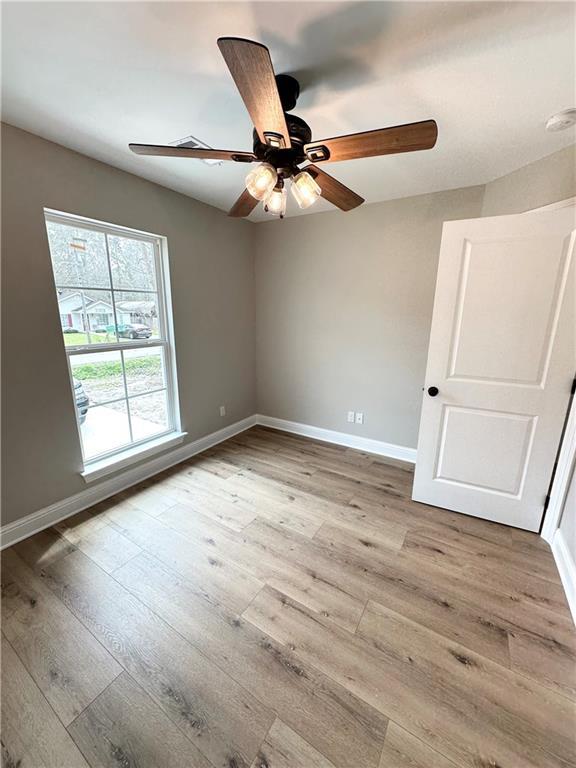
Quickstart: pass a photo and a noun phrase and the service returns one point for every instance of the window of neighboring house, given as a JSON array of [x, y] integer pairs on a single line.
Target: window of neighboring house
[[113, 298]]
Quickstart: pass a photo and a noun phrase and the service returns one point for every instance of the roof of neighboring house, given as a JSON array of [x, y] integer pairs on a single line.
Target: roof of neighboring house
[[96, 306], [90, 304], [136, 306]]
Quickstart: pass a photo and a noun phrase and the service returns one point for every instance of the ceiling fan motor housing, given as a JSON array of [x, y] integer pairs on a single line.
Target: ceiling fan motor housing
[[288, 90], [283, 159]]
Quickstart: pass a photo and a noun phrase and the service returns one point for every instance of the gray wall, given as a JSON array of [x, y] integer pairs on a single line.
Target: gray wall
[[344, 305], [545, 181], [344, 301], [212, 275]]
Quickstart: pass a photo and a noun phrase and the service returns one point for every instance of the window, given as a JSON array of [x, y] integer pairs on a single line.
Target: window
[[111, 285]]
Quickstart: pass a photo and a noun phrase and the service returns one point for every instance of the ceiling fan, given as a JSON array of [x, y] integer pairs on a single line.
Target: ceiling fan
[[282, 141]]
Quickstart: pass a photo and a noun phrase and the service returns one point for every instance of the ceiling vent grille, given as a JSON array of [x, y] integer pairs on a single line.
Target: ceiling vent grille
[[193, 143]]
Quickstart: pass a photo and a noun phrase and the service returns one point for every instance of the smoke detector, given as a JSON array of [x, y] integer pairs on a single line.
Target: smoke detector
[[561, 120]]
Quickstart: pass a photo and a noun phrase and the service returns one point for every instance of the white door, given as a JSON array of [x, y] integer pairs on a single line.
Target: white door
[[502, 355]]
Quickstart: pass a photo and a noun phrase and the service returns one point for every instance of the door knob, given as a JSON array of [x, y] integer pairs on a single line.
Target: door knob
[[433, 391]]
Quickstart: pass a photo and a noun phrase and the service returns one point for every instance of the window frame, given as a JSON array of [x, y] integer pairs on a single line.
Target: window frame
[[108, 461]]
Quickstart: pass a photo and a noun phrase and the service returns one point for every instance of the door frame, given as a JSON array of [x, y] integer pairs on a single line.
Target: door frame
[[566, 465], [551, 533], [565, 468], [567, 453]]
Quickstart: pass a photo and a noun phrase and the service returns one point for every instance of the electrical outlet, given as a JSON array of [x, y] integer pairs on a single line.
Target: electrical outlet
[[350, 417], [359, 418], [222, 410]]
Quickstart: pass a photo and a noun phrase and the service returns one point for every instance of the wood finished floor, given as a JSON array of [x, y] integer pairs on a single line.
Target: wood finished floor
[[282, 603]]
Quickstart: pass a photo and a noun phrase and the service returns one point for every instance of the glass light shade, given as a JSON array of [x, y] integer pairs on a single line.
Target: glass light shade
[[261, 181], [275, 203], [305, 189]]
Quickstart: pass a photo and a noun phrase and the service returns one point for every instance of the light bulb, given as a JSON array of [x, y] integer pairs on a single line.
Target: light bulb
[[305, 189], [261, 181], [275, 203]]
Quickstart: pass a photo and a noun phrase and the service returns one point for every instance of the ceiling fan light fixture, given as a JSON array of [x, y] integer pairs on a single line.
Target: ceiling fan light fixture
[[305, 189], [261, 181], [275, 203]]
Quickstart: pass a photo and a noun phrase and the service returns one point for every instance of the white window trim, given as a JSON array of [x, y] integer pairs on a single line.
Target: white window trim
[[102, 467], [119, 458]]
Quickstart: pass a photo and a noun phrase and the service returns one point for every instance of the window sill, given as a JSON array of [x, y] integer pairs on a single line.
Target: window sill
[[97, 469]]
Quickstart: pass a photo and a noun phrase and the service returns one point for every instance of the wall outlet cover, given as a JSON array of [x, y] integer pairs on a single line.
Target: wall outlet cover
[[359, 418], [350, 417]]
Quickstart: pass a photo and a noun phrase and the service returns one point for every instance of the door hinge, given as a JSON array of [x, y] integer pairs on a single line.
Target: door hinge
[[573, 390], [546, 502]]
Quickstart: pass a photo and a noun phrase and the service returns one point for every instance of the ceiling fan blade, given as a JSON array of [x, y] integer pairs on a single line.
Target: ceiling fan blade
[[243, 206], [333, 190], [160, 150], [385, 141], [251, 67]]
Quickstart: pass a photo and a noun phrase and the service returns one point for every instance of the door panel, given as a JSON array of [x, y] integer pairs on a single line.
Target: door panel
[[502, 285], [462, 461], [503, 355]]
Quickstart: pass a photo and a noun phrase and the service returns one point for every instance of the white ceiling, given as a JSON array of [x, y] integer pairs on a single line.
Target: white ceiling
[[95, 76]]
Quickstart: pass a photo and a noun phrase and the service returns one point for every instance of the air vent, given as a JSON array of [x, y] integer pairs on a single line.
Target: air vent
[[193, 143]]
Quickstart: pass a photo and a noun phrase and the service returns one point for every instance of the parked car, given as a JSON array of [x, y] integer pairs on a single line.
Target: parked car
[[82, 400], [100, 328], [69, 329], [134, 331]]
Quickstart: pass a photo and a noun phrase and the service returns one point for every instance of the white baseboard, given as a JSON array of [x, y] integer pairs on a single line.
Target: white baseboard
[[44, 518], [566, 568], [390, 450]]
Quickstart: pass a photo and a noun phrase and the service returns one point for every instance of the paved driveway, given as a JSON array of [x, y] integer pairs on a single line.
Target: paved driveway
[[106, 428], [104, 357]]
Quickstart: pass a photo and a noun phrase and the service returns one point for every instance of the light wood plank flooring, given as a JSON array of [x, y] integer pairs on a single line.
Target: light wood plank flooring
[[282, 603]]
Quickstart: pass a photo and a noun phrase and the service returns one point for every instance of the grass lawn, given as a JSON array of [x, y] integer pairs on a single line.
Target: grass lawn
[[74, 339], [138, 366]]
